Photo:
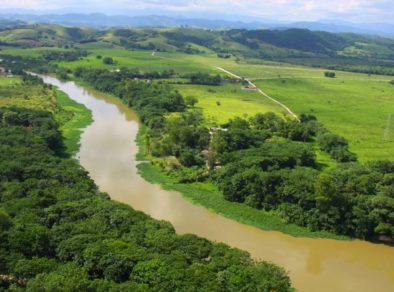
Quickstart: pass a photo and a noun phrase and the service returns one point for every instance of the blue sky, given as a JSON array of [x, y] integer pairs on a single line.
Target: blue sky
[[286, 10]]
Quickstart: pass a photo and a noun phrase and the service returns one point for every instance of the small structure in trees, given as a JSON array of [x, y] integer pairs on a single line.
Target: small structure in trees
[[249, 88], [3, 71]]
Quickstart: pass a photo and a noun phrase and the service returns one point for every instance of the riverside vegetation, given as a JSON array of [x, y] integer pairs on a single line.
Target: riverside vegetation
[[58, 230], [265, 162]]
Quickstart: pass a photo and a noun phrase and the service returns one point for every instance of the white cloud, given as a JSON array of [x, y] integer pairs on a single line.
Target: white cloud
[[363, 10]]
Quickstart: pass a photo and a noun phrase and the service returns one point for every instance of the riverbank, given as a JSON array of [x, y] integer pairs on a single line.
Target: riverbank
[[73, 117], [207, 195]]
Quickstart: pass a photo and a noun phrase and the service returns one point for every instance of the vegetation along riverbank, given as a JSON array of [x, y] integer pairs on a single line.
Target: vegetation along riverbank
[[265, 162]]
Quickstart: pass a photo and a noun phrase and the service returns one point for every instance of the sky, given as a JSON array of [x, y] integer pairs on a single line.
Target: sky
[[282, 10]]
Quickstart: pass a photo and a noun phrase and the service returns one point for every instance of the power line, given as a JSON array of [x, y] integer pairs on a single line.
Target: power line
[[386, 135]]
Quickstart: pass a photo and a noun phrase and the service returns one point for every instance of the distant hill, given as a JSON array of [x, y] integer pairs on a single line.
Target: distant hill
[[341, 51], [97, 20], [8, 23]]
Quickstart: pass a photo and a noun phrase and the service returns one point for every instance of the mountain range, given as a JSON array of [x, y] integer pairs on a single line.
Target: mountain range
[[98, 20]]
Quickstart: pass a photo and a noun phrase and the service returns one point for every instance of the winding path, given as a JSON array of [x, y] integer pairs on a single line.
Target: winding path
[[262, 92]]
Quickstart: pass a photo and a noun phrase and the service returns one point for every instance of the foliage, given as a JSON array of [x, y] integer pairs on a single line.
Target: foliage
[[58, 230], [329, 74], [204, 79], [108, 61], [336, 146]]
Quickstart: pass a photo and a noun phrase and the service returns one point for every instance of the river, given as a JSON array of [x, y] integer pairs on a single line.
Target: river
[[108, 153]]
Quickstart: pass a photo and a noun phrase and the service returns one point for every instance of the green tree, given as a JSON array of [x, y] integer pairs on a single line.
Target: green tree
[[108, 61], [190, 101]]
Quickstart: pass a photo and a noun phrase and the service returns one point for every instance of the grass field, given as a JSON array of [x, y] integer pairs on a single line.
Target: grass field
[[221, 103]]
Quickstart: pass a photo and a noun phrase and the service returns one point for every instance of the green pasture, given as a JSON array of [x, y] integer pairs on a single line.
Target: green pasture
[[221, 103]]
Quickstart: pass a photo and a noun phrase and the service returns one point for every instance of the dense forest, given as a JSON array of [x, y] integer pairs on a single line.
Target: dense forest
[[57, 231], [266, 162]]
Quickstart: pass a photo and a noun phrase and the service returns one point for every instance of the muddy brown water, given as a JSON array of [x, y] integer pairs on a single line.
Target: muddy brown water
[[108, 153]]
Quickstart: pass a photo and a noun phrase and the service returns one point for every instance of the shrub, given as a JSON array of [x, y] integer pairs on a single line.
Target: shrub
[[329, 74]]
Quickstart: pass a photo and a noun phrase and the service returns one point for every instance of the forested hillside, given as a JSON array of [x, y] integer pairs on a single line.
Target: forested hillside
[[342, 51], [58, 230]]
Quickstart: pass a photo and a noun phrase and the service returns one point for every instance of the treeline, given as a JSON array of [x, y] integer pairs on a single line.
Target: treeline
[[351, 199], [68, 56], [152, 100], [342, 63], [204, 79], [124, 73], [134, 73], [57, 231], [18, 64], [266, 162]]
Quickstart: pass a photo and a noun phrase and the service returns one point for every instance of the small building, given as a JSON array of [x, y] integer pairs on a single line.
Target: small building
[[249, 87], [3, 71]]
